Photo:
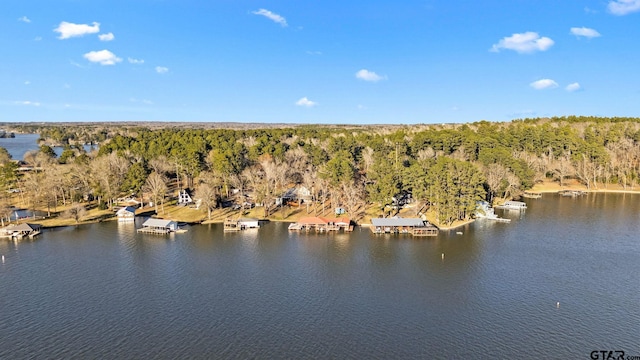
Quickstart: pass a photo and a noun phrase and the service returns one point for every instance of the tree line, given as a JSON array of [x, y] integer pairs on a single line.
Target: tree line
[[446, 168]]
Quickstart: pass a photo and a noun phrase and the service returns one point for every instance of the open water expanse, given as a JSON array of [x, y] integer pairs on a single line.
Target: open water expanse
[[104, 291]]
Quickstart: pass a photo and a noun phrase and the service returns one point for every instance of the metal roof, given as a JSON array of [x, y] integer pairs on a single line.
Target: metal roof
[[157, 222], [397, 222]]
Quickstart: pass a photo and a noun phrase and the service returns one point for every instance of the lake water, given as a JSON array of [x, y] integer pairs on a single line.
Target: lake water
[[104, 291], [22, 143]]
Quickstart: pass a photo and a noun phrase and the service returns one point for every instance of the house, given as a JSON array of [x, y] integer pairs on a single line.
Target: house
[[158, 226], [127, 213], [297, 194], [321, 224], [21, 230], [397, 225], [184, 198]]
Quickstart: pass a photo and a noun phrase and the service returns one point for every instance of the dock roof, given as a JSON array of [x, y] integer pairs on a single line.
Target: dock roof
[[157, 223], [382, 222]]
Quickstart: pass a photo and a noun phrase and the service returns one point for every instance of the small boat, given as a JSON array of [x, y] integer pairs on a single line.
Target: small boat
[[294, 226]]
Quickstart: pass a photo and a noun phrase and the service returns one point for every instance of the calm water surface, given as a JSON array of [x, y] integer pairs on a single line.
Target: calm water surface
[[22, 143], [104, 291]]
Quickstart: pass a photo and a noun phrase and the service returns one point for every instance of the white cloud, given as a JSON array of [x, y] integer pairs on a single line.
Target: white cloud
[[106, 37], [367, 75], [69, 30], [272, 16], [314, 53], [37, 38], [135, 61], [162, 69], [573, 87], [623, 7], [28, 103], [27, 82], [584, 31], [102, 57], [306, 102], [24, 19], [544, 84], [527, 42], [144, 101]]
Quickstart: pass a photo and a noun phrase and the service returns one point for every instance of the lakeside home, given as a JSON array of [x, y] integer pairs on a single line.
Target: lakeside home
[[322, 224], [396, 225]]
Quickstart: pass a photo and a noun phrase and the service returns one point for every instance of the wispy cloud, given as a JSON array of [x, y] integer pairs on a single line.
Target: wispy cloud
[[306, 102], [573, 87], [162, 69], [102, 57], [68, 30], [623, 7], [27, 103], [544, 84], [524, 43], [37, 38], [585, 32], [135, 61], [106, 37], [272, 16], [143, 101], [367, 75], [24, 19], [314, 52], [27, 82]]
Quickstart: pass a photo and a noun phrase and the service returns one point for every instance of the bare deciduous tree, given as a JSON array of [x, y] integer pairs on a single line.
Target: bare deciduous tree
[[156, 186]]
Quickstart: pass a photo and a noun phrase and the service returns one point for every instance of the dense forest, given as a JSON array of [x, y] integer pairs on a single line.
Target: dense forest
[[446, 168]]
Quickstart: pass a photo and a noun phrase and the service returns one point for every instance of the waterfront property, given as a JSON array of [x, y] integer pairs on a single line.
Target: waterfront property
[[322, 224], [18, 231], [512, 205], [158, 226], [241, 224], [396, 225], [127, 213]]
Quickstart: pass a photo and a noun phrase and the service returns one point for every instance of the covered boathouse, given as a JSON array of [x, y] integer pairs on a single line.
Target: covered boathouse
[[158, 226], [322, 224], [396, 225]]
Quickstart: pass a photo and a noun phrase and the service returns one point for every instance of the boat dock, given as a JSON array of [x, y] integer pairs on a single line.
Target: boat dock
[[571, 193], [321, 224], [411, 226], [532, 195]]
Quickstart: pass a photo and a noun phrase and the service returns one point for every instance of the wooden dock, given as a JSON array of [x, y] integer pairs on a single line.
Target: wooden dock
[[532, 195]]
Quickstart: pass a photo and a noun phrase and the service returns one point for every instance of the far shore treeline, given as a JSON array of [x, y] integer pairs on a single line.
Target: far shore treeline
[[445, 168]]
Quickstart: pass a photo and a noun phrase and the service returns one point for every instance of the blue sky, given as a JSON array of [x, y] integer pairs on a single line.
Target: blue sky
[[340, 62]]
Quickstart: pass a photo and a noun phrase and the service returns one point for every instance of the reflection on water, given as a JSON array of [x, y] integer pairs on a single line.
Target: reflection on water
[[103, 290]]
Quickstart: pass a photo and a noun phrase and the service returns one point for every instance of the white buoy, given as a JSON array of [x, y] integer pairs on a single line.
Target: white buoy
[[558, 304], [3, 259], [442, 256]]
